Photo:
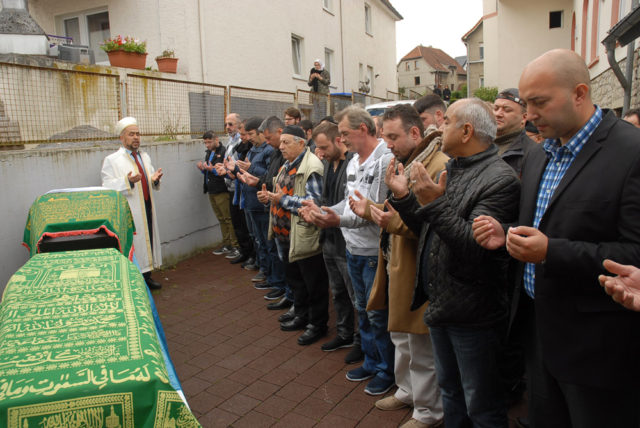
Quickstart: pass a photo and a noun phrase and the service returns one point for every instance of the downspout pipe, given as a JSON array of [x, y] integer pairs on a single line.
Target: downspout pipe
[[625, 81]]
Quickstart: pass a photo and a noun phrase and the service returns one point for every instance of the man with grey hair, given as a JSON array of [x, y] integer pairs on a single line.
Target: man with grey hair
[[464, 283], [365, 174], [130, 172]]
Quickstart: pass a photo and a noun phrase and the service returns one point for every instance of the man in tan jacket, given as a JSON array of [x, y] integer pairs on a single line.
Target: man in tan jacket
[[414, 369]]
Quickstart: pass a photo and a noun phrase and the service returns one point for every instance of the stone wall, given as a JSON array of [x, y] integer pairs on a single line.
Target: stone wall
[[186, 221], [606, 90]]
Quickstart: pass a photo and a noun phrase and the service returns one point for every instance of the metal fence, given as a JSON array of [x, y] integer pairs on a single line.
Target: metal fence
[[248, 102], [413, 95], [172, 108], [366, 99], [39, 105], [396, 96], [54, 105], [313, 105]]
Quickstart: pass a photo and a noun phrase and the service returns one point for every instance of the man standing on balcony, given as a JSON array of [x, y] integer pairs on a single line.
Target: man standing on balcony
[[130, 172]]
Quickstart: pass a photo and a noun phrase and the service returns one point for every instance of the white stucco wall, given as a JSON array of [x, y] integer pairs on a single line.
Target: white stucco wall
[[518, 34], [248, 43], [185, 218]]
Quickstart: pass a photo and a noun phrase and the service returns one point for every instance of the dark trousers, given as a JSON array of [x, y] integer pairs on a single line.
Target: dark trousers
[[310, 285], [557, 404], [240, 227], [467, 371]]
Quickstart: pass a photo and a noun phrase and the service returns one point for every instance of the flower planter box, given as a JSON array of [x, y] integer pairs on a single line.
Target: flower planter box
[[167, 65], [127, 59]]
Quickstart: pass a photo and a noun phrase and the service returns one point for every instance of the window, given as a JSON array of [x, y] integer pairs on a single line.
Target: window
[[327, 5], [88, 28], [328, 59], [415, 65], [416, 80], [555, 19], [481, 50], [481, 81], [407, 66], [370, 77], [296, 47], [367, 19]]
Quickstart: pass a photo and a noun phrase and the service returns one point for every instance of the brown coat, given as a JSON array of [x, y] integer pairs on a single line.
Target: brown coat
[[397, 295]]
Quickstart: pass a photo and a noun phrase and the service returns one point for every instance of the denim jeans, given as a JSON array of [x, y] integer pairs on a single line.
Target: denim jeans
[[375, 340], [266, 250], [468, 375]]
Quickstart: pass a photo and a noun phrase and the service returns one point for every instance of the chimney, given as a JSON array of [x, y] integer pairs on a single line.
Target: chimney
[[19, 32]]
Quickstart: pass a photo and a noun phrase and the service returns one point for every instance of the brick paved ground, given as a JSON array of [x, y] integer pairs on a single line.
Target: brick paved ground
[[238, 369]]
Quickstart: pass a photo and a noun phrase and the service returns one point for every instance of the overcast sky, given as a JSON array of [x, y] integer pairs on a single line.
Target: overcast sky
[[439, 23]]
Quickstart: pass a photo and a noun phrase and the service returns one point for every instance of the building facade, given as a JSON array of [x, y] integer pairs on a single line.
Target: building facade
[[268, 45], [514, 32], [474, 41], [425, 68], [590, 22]]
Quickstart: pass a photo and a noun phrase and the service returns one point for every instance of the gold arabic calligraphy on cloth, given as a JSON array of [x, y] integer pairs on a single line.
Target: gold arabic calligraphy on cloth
[[78, 324]]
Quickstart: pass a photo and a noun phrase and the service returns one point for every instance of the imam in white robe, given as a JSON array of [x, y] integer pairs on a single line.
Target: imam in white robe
[[115, 168]]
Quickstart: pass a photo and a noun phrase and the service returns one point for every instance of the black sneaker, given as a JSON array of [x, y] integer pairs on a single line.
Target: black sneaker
[[337, 343], [274, 294], [355, 355], [263, 285], [233, 254], [221, 251]]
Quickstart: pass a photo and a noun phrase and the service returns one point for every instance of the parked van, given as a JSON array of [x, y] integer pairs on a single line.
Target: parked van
[[378, 109]]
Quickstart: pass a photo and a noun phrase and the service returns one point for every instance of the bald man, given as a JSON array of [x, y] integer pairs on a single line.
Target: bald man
[[579, 205]]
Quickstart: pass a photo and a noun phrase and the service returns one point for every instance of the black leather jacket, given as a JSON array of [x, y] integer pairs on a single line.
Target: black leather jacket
[[465, 284]]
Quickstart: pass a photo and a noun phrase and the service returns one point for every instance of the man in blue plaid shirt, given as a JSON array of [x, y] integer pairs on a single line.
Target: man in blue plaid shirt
[[579, 205]]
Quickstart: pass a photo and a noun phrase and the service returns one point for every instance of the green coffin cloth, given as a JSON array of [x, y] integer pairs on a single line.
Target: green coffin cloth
[[84, 212], [78, 347]]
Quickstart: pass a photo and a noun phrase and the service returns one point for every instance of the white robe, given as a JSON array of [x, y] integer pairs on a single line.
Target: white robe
[[115, 168]]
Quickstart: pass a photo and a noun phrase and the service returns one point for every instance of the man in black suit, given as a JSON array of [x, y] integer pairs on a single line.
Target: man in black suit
[[579, 205]]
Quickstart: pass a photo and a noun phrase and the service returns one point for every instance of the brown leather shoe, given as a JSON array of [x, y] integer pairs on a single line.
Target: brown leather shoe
[[390, 403]]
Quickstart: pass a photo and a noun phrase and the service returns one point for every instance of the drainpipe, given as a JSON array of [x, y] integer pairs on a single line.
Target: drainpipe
[[468, 67], [203, 61], [342, 47], [625, 81]]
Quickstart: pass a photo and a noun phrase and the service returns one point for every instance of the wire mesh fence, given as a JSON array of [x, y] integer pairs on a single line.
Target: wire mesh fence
[[40, 105], [366, 99], [396, 96], [313, 105], [171, 108], [248, 102], [414, 95], [57, 105], [338, 102]]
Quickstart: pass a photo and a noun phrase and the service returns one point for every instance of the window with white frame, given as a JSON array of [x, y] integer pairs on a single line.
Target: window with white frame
[[370, 77], [367, 19], [481, 50], [328, 59], [90, 28], [296, 54], [327, 5]]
